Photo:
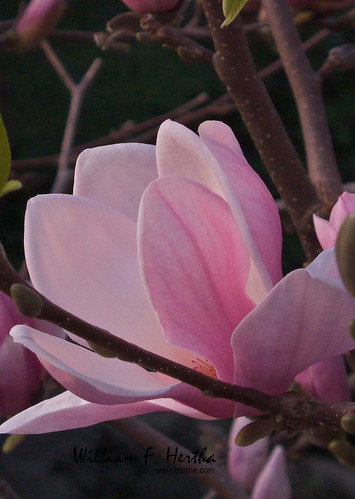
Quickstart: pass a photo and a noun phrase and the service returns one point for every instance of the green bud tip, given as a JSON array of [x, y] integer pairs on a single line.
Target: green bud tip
[[255, 431], [11, 443], [345, 251], [352, 328], [27, 300], [104, 352], [348, 423], [343, 451]]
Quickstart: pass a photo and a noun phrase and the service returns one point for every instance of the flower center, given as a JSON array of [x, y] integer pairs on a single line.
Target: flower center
[[204, 366]]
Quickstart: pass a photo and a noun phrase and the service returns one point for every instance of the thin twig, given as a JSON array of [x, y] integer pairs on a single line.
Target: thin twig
[[218, 480], [77, 94], [306, 87]]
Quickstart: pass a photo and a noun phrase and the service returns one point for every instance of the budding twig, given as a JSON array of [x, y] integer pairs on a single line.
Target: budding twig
[[306, 87]]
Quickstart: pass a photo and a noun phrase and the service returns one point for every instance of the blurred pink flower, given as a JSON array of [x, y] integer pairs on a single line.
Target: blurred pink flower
[[203, 287], [20, 370], [152, 6], [254, 470], [37, 21]]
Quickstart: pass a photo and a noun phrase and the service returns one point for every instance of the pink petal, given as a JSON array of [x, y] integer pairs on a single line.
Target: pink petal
[[325, 232], [220, 166], [88, 375], [302, 321], [116, 175], [327, 380], [195, 265], [82, 255], [67, 411], [250, 201], [343, 207], [273, 480], [245, 463]]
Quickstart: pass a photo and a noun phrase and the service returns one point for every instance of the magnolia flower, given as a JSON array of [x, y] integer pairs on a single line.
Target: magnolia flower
[[175, 248], [253, 469], [36, 22], [20, 370], [152, 6]]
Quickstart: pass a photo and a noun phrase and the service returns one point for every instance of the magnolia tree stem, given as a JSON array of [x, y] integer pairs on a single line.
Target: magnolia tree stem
[[292, 410], [235, 67], [306, 87]]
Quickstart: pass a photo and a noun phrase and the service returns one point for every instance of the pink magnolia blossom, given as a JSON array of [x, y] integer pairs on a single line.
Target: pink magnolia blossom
[[327, 231], [37, 21], [253, 469], [152, 6], [175, 248], [20, 370]]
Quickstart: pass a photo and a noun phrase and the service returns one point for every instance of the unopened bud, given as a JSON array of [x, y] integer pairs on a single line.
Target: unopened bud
[[36, 22], [27, 300], [152, 6], [255, 431], [343, 451], [348, 423], [345, 252], [352, 328], [104, 352], [11, 443]]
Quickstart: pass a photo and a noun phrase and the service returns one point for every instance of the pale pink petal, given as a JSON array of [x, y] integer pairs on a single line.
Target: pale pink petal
[[327, 380], [116, 175], [249, 199], [325, 232], [67, 411], [195, 264], [87, 374], [343, 207], [82, 255], [302, 321], [273, 480], [225, 171], [245, 463]]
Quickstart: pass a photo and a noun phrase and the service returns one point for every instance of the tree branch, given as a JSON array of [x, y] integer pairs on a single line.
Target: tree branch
[[306, 87]]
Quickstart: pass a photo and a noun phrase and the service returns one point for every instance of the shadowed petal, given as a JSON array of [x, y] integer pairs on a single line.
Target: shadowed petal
[[116, 175], [67, 411], [302, 321], [88, 375], [327, 231], [327, 380], [245, 463], [273, 480], [195, 264]]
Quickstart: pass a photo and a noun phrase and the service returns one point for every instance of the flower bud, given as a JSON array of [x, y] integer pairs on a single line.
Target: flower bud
[[348, 423], [27, 300], [36, 22], [343, 451], [255, 431], [345, 252], [152, 6]]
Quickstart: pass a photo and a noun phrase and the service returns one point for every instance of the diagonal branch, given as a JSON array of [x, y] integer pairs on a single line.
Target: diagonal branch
[[306, 86]]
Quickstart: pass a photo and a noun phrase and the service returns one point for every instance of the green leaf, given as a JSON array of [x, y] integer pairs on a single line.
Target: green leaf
[[231, 9], [10, 186], [5, 155]]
